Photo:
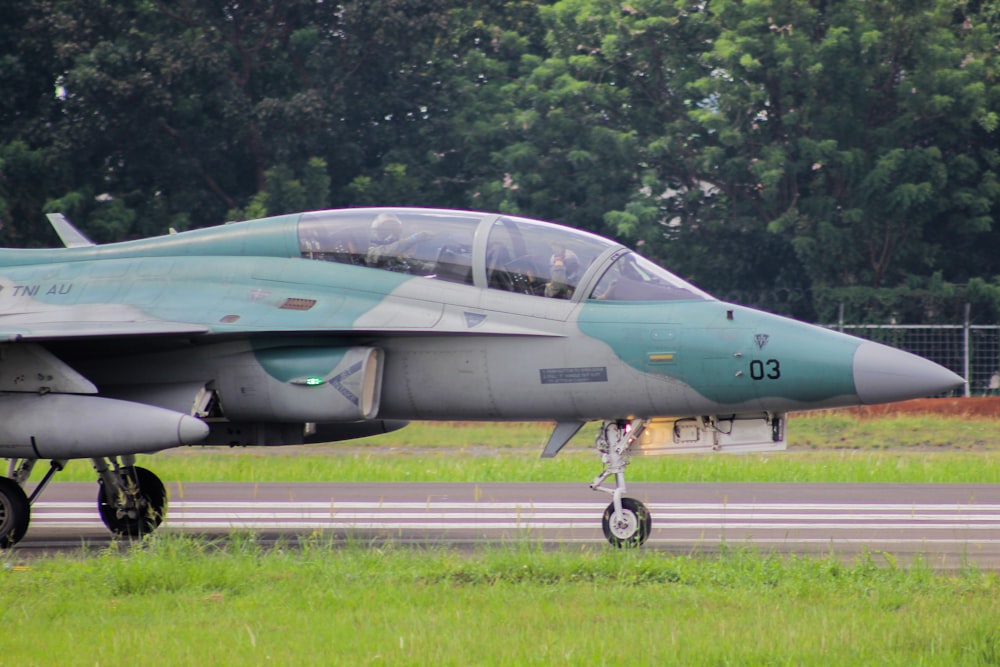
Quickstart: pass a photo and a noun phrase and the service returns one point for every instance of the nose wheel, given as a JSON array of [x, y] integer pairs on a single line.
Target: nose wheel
[[628, 526], [626, 521]]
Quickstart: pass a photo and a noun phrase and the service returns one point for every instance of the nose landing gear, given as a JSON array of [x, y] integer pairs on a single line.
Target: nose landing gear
[[626, 521]]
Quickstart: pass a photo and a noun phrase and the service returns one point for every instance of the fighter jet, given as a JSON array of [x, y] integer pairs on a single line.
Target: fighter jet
[[330, 325]]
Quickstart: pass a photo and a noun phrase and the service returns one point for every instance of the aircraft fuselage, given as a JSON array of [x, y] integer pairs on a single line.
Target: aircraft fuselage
[[337, 324]]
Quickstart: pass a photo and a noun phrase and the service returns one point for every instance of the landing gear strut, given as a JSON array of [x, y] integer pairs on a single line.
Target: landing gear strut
[[132, 501], [626, 521], [15, 505]]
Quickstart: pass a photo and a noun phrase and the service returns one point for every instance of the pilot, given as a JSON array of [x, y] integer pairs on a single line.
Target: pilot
[[564, 267], [386, 250]]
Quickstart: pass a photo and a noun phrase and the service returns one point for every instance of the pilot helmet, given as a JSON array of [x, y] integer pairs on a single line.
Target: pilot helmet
[[569, 260], [386, 228]]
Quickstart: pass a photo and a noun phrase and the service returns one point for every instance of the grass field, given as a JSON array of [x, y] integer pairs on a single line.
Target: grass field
[[826, 447], [178, 600], [823, 447]]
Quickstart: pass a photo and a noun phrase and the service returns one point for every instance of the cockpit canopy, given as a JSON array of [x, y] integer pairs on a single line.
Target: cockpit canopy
[[489, 250]]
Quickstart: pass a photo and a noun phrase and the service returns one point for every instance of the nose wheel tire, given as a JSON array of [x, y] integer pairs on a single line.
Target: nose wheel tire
[[138, 509], [15, 512], [628, 528]]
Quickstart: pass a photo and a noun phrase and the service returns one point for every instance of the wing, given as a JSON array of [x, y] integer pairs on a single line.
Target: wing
[[72, 322], [49, 331]]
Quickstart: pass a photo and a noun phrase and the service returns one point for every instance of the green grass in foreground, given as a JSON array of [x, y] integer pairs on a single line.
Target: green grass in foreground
[[826, 447], [176, 600]]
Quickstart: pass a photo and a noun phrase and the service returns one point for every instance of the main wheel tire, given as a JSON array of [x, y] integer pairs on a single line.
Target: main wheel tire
[[151, 511], [631, 527], [15, 512]]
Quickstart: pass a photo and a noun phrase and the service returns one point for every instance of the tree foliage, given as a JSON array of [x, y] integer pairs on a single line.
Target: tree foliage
[[786, 149]]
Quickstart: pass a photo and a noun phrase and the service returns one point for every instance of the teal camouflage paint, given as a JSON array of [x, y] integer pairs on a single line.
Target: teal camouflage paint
[[726, 353]]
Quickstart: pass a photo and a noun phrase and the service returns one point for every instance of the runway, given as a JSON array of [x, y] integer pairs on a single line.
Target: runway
[[947, 525]]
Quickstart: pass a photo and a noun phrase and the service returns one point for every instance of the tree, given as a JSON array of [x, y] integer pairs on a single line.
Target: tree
[[449, 157], [773, 145], [230, 92], [853, 130], [29, 171]]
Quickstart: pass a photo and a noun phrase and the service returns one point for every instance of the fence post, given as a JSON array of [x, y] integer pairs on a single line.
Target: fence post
[[840, 317], [966, 351]]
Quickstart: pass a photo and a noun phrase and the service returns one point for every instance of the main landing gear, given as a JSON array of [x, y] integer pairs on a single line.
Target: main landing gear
[[132, 501], [626, 521], [14, 512]]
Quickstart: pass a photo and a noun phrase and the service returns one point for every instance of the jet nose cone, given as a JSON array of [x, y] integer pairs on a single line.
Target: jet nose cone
[[191, 431], [883, 374]]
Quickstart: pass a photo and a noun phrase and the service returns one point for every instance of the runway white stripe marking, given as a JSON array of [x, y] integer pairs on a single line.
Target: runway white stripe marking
[[178, 504], [966, 521]]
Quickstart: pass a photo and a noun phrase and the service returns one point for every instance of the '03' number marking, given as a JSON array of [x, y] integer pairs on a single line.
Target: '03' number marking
[[770, 369]]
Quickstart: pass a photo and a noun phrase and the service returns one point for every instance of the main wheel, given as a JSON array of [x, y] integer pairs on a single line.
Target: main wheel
[[630, 527], [15, 512], [138, 511]]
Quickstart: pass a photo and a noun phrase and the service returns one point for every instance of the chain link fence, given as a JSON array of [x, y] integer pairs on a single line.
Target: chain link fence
[[971, 350]]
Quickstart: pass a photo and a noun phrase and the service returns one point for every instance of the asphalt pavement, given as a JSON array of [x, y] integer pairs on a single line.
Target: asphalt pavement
[[947, 525]]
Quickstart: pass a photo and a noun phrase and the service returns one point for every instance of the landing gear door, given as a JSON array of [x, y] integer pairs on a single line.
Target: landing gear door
[[734, 434]]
